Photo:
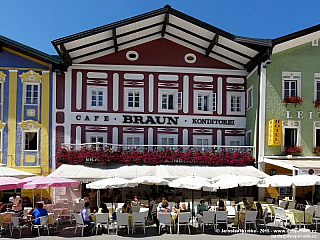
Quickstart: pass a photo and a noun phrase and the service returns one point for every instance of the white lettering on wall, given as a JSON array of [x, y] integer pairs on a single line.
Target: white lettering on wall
[[310, 115], [299, 114], [288, 115]]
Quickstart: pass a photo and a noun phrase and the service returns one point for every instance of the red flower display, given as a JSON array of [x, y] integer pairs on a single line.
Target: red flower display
[[293, 150], [290, 99], [317, 103], [154, 157], [316, 150]]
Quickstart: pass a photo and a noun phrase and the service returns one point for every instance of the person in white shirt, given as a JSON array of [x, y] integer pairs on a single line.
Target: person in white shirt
[[16, 202]]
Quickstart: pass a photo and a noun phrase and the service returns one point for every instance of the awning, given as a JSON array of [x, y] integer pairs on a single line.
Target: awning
[[11, 172], [89, 174], [303, 165]]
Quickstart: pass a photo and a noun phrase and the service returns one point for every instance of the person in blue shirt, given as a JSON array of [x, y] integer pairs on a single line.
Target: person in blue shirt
[[86, 218], [39, 212]]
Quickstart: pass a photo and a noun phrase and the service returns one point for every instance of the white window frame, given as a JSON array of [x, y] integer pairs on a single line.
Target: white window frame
[[141, 100], [207, 137], [24, 138], [316, 80], [250, 97], [166, 135], [229, 139], [89, 135], [291, 124], [133, 135], [25, 84], [175, 94], [104, 90], [249, 140], [292, 76], [1, 139], [316, 126], [1, 92], [212, 101], [242, 96]]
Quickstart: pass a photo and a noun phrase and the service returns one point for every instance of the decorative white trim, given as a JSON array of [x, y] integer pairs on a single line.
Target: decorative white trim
[[316, 80], [250, 89], [262, 112], [249, 143], [316, 125], [23, 139], [193, 58], [252, 72], [150, 136], [25, 84], [115, 135], [185, 134], [151, 92], [115, 92], [219, 137], [207, 93], [78, 136], [235, 80], [133, 76], [141, 100], [291, 124], [173, 92], [203, 79], [219, 96], [132, 53], [166, 77], [100, 75], [292, 76], [242, 95], [67, 106], [79, 91], [54, 122], [185, 94], [165, 69]]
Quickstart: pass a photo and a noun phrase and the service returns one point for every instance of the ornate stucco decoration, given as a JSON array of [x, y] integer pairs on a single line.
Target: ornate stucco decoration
[[2, 76], [31, 76], [2, 125], [29, 125]]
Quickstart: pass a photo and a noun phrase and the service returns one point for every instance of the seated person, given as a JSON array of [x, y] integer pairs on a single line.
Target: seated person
[[176, 207], [87, 219], [243, 216], [164, 208], [243, 205], [160, 204], [201, 207], [135, 201], [183, 208], [2, 207], [35, 206], [126, 208], [39, 212], [104, 208], [221, 206], [260, 211]]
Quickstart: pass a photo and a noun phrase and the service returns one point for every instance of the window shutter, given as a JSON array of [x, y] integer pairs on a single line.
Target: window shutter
[[179, 100], [212, 101]]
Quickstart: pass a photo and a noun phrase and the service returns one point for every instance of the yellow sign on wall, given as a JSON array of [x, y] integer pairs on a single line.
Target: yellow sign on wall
[[274, 136]]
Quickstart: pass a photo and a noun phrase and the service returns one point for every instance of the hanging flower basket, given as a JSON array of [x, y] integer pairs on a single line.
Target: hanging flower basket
[[316, 150], [317, 103], [289, 99], [293, 150]]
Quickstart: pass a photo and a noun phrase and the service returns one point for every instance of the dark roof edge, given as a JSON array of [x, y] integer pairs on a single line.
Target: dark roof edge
[[295, 35], [255, 41], [30, 50]]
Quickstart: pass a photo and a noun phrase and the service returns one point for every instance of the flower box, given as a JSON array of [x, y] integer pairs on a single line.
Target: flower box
[[317, 103], [316, 150], [289, 99], [293, 150]]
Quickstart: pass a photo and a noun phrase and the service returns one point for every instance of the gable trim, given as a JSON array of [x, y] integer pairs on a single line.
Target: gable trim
[[25, 56]]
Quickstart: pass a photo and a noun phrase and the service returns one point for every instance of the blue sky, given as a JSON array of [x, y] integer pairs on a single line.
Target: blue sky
[[37, 22]]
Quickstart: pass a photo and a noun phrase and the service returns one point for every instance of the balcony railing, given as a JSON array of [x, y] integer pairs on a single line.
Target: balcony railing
[[184, 148]]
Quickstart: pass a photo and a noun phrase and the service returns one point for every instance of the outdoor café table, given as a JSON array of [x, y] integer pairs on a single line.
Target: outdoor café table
[[6, 217], [297, 216], [63, 210], [269, 206]]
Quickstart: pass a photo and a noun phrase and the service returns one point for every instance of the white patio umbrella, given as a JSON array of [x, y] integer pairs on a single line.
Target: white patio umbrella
[[112, 183], [11, 172], [306, 180], [276, 181], [233, 181], [150, 180]]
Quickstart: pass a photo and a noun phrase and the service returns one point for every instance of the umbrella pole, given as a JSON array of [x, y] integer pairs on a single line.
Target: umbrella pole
[[192, 206], [33, 197]]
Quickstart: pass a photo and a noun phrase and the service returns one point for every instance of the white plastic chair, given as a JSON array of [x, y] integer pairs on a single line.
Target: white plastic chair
[[135, 209], [208, 218], [16, 225], [79, 223], [77, 207], [231, 212], [281, 215], [184, 220], [69, 213], [139, 218], [316, 217], [56, 217], [43, 224], [264, 217], [221, 217], [102, 219], [165, 219], [123, 220], [59, 205], [282, 204], [269, 200], [250, 218]]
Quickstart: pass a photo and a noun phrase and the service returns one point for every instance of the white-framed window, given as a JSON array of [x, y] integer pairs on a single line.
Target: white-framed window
[[31, 93], [133, 99], [316, 86], [167, 139], [96, 98], [234, 140], [235, 103], [204, 102], [1, 92], [249, 98], [291, 84], [30, 140], [0, 140], [249, 138], [170, 100], [291, 133], [316, 134], [133, 138], [202, 140], [96, 138]]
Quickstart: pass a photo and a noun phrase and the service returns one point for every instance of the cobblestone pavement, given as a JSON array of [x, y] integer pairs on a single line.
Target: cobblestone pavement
[[67, 231]]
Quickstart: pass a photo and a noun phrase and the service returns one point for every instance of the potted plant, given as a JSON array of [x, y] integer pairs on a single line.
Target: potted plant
[[316, 150], [317, 103], [290, 99], [293, 150]]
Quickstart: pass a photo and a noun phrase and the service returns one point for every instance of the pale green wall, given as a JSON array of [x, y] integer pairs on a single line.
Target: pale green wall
[[304, 59]]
